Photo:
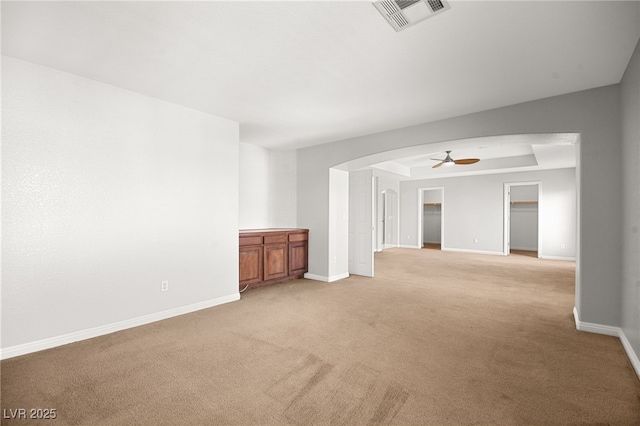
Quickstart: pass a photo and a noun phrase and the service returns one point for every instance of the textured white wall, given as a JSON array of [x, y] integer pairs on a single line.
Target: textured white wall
[[267, 188], [254, 187], [105, 194]]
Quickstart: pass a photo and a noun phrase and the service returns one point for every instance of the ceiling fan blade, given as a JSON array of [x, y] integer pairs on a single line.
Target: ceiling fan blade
[[438, 165], [467, 161]]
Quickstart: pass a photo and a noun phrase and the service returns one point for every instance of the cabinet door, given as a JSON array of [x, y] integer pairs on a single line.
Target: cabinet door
[[250, 265], [275, 261], [298, 263]]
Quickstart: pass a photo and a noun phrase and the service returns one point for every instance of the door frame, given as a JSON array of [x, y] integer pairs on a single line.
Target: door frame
[[506, 249], [420, 238]]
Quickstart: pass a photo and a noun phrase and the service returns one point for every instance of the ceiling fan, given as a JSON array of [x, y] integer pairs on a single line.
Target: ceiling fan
[[448, 161]]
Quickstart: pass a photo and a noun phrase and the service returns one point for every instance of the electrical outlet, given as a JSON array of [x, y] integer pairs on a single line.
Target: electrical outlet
[[475, 241], [164, 286], [562, 246]]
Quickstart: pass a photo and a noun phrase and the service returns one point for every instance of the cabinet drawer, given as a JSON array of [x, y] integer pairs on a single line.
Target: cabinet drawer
[[272, 239], [251, 241], [302, 236]]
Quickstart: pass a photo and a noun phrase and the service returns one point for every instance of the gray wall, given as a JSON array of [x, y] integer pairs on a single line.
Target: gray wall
[[473, 210], [432, 224], [630, 101], [595, 114]]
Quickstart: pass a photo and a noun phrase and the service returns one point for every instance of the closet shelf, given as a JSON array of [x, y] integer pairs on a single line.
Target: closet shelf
[[524, 202]]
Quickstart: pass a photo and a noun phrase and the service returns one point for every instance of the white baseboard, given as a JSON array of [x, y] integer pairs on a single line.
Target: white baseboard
[[633, 357], [567, 258], [595, 328], [493, 253], [326, 279], [409, 247], [77, 336], [609, 331]]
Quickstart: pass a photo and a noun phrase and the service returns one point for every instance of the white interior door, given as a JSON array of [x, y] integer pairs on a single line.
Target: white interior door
[[361, 223], [507, 220], [391, 219]]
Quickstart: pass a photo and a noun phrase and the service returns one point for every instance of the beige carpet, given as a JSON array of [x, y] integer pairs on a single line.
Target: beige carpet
[[437, 338]]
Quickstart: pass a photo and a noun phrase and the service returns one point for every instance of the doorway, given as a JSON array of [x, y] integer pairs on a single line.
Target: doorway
[[431, 218], [389, 218], [521, 233]]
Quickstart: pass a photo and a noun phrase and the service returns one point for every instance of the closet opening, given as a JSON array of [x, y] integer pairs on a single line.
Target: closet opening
[[431, 207], [522, 219]]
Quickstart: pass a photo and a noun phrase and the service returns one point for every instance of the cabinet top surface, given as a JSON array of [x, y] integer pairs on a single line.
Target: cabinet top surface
[[270, 230]]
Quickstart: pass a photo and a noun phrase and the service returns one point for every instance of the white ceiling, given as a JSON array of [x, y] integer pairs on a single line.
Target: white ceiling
[[295, 74]]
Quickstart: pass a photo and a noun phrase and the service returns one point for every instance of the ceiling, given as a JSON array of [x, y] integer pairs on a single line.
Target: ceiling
[[497, 154], [296, 74]]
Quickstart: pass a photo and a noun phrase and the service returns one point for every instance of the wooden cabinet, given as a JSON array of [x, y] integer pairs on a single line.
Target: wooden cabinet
[[275, 261], [268, 256], [250, 264]]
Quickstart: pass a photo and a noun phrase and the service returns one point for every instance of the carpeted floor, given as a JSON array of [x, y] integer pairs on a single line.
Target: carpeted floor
[[437, 338]]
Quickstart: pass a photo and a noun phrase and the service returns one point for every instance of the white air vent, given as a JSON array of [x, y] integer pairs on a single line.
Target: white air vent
[[402, 14]]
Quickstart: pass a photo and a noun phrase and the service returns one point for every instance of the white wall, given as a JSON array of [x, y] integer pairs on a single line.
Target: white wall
[[267, 188], [593, 113], [630, 297], [338, 225], [105, 194], [254, 187], [474, 210]]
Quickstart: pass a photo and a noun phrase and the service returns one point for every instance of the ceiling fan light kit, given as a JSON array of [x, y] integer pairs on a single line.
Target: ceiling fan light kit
[[448, 161]]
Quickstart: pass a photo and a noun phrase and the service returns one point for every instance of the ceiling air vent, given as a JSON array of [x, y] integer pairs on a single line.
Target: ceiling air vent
[[402, 14]]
